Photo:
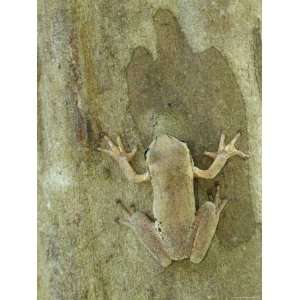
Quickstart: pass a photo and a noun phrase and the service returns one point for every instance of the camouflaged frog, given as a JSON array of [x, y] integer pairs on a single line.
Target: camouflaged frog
[[179, 231]]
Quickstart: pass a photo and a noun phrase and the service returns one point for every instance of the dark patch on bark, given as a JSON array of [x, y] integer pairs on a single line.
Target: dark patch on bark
[[81, 127], [257, 52], [83, 81], [194, 97], [74, 63]]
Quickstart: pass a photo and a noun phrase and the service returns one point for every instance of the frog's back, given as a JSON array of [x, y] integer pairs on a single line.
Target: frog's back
[[170, 166]]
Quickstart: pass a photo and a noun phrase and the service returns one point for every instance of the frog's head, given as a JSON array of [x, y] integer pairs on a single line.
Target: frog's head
[[166, 148]]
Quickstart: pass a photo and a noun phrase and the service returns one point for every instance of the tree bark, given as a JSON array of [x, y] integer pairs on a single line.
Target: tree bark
[[191, 69]]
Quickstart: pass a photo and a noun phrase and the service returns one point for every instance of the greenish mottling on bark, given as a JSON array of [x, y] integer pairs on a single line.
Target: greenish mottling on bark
[[140, 68]]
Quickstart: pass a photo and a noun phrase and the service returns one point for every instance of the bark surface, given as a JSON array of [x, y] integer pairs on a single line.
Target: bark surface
[[190, 69]]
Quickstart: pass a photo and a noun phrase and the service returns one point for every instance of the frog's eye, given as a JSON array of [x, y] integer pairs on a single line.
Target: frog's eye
[[145, 153]]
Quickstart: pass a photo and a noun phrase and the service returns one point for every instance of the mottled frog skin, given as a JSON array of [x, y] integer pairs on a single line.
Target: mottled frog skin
[[179, 231]]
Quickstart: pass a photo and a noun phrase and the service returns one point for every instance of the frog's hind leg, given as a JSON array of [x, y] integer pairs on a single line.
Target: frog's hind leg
[[206, 222], [146, 233]]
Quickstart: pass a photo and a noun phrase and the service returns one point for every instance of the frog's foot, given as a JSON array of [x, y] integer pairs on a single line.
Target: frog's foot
[[227, 150], [128, 212], [123, 158], [118, 151], [145, 231]]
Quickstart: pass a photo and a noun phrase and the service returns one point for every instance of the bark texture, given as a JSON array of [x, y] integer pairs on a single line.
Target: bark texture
[[139, 68]]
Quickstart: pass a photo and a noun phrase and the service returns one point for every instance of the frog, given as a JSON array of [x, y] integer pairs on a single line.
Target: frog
[[177, 230]]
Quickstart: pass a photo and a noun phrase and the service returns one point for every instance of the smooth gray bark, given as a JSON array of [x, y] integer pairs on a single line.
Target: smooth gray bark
[[140, 68]]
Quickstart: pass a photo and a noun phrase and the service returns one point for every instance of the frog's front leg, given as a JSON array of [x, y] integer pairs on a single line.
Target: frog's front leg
[[123, 158], [146, 233], [206, 222], [220, 158]]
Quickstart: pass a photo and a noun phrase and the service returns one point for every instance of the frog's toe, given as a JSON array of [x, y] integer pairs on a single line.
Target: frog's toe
[[123, 221], [132, 208], [128, 211]]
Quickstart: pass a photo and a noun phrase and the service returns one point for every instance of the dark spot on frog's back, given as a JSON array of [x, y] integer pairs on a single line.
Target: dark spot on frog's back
[[206, 100]]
